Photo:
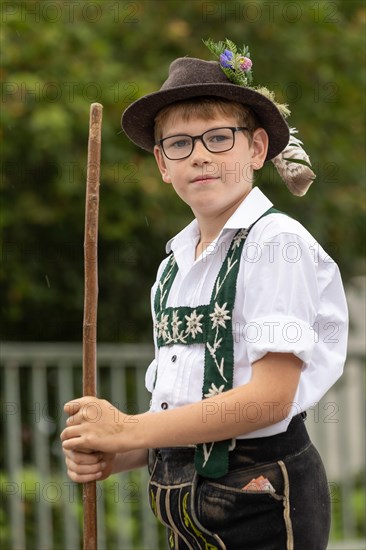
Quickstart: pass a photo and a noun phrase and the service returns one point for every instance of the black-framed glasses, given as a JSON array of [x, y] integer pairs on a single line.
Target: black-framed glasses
[[216, 140]]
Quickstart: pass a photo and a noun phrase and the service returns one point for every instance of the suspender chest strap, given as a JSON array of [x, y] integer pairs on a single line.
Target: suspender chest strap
[[211, 325]]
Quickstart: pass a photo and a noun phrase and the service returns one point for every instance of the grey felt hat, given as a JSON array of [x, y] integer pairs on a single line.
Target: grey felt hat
[[189, 78]]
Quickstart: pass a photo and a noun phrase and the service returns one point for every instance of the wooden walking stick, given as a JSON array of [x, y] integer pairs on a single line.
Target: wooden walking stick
[[91, 301]]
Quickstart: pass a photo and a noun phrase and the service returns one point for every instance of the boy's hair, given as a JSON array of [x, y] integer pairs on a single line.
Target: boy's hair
[[206, 108]]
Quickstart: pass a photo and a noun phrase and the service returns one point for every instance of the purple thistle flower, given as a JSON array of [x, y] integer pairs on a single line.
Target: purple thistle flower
[[225, 59]]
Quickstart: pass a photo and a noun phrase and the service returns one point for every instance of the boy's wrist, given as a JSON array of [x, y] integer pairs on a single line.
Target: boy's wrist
[[133, 434]]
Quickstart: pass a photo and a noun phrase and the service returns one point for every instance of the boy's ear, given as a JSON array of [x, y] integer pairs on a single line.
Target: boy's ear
[[260, 148], [160, 161]]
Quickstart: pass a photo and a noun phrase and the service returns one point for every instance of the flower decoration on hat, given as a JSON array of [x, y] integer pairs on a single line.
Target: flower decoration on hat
[[236, 65], [293, 163], [238, 68]]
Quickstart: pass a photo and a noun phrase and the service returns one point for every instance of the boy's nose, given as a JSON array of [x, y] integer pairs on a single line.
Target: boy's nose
[[199, 152]]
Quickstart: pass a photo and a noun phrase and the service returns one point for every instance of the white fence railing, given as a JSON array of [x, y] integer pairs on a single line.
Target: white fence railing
[[41, 507]]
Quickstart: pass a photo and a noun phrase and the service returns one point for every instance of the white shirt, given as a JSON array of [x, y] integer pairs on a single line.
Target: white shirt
[[289, 299]]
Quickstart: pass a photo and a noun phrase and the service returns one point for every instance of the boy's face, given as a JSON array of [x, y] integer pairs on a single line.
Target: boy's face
[[212, 184]]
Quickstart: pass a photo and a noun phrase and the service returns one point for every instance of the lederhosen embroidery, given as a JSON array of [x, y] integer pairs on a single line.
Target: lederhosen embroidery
[[172, 505], [210, 325]]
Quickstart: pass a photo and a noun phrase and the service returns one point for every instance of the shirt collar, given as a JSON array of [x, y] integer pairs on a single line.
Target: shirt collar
[[189, 233], [249, 211]]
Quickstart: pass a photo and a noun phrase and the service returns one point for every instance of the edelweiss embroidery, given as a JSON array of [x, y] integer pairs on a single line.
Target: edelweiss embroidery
[[219, 316], [193, 323], [162, 327]]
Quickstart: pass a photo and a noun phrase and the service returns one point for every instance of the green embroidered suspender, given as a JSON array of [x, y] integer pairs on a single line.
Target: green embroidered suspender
[[211, 325]]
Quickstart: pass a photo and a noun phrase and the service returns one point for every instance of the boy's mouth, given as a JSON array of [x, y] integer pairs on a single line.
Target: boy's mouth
[[204, 179]]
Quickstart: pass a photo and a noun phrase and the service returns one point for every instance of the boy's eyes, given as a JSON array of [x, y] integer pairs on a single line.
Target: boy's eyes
[[217, 138], [179, 143]]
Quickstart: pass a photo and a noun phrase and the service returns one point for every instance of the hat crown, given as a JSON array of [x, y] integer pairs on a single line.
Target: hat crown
[[186, 71]]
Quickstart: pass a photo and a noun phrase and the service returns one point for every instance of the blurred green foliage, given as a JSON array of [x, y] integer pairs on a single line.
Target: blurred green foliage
[[120, 498], [58, 57]]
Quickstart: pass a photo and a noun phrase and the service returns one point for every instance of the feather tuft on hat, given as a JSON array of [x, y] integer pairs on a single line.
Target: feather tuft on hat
[[294, 166]]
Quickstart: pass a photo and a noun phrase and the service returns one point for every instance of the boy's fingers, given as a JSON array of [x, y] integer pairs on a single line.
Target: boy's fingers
[[83, 478], [74, 419], [73, 440], [73, 406], [87, 458], [72, 432], [71, 444], [84, 469]]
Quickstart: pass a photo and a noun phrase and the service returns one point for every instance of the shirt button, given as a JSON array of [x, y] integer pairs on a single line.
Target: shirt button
[[173, 358], [164, 406]]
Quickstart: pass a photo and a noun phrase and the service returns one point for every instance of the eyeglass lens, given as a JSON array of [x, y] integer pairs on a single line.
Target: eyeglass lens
[[217, 140]]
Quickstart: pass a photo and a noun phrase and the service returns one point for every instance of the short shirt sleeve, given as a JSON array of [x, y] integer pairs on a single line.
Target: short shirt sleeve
[[282, 297]]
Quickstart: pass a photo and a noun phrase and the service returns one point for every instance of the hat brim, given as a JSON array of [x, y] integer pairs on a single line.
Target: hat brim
[[138, 119]]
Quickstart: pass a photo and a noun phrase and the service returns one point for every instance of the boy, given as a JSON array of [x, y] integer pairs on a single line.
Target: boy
[[243, 308]]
